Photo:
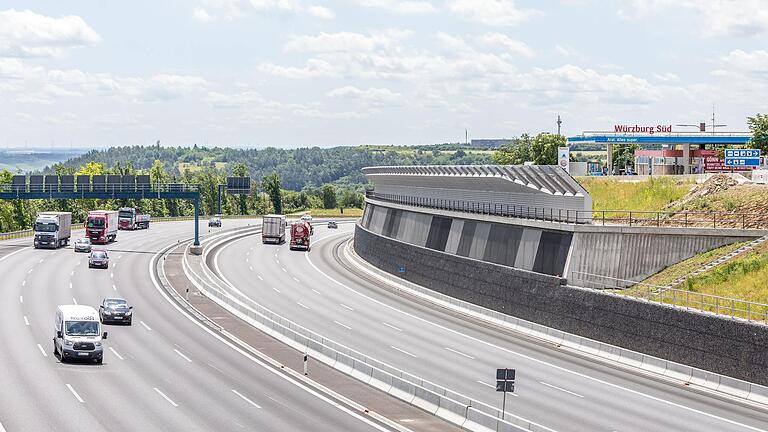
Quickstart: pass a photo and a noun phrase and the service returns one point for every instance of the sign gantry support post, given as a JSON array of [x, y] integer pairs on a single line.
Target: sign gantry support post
[[505, 382]]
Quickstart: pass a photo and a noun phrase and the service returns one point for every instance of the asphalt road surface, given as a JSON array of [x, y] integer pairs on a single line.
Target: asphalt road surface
[[162, 373], [555, 389]]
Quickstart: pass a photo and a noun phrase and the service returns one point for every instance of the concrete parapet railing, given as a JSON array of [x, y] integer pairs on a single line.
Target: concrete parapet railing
[[688, 375], [445, 403]]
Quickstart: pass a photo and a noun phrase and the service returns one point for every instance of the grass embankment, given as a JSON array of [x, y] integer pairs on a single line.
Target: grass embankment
[[326, 213], [648, 195], [683, 268]]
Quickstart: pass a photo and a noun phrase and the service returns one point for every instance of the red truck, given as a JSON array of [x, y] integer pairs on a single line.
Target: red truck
[[101, 226], [300, 232], [130, 218]]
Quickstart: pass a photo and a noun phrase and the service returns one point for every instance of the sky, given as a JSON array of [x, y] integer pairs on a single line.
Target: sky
[[296, 73]]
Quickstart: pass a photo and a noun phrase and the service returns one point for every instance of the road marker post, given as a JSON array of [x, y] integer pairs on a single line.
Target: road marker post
[[306, 357]]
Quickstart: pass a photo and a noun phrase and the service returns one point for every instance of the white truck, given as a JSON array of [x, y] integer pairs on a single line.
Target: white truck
[[273, 229], [52, 229], [77, 334]]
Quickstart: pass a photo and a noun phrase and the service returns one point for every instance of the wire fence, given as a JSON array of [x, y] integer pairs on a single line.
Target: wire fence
[[726, 306], [683, 219]]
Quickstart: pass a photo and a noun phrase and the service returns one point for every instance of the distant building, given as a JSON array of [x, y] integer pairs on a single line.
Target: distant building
[[489, 143]]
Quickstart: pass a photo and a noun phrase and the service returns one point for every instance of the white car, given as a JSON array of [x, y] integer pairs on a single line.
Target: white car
[[307, 218]]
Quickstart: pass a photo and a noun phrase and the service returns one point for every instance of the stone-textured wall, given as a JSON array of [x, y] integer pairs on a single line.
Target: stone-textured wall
[[728, 347]]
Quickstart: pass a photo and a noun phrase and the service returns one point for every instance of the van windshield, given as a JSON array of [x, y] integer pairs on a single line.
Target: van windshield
[[45, 227], [95, 223], [82, 328]]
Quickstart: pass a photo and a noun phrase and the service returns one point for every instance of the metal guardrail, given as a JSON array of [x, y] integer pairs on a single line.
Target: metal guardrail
[[452, 406], [725, 306], [594, 217]]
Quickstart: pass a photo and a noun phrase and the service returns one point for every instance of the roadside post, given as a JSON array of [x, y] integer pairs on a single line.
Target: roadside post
[[306, 358], [505, 382]]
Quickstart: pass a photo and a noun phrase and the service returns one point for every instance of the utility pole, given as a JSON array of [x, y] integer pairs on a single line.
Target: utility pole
[[714, 126], [466, 137], [559, 122]]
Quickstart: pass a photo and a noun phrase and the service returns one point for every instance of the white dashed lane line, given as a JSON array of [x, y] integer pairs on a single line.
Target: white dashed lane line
[[246, 399], [183, 356], [295, 279], [345, 306], [165, 397], [42, 350], [315, 291], [115, 353], [302, 305], [460, 353], [26, 321], [392, 327], [145, 325], [74, 393], [403, 351], [74, 300], [561, 389], [21, 299], [277, 290], [343, 325], [260, 278], [24, 282]]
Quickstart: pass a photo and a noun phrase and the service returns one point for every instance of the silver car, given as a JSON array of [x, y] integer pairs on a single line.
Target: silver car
[[83, 245]]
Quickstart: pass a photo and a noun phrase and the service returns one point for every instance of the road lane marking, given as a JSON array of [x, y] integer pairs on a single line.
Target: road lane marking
[[260, 278], [74, 393], [250, 267], [41, 260], [392, 327], [284, 270], [294, 278], [29, 271], [21, 299], [114, 288], [302, 305], [115, 353], [26, 321], [276, 289], [246, 399], [183, 356], [72, 273], [460, 353], [40, 347], [278, 261], [403, 351], [112, 275], [561, 389], [70, 285], [315, 291], [165, 397], [343, 325], [114, 266], [74, 300], [486, 384], [24, 282], [145, 325], [345, 306]]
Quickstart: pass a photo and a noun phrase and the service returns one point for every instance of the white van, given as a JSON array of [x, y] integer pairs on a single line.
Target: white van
[[77, 333]]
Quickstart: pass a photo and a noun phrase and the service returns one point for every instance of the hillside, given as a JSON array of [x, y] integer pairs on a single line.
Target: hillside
[[298, 168]]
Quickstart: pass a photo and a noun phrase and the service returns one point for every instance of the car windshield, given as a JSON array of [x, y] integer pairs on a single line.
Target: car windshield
[[125, 214], [116, 304], [83, 241], [95, 223], [99, 255], [45, 227], [82, 328]]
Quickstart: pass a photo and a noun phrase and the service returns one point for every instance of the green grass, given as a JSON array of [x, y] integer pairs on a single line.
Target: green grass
[[647, 195], [683, 268], [348, 212]]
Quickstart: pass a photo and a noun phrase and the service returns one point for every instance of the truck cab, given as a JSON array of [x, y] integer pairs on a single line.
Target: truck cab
[[77, 334], [52, 229]]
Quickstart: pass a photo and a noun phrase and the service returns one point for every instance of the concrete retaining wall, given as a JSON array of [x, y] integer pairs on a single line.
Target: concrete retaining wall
[[729, 347]]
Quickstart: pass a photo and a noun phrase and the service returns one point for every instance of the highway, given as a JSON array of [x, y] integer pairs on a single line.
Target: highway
[[555, 389], [165, 372]]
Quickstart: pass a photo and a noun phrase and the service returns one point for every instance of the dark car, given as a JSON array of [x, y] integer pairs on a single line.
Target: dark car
[[115, 310], [98, 258], [215, 222], [332, 224], [82, 245]]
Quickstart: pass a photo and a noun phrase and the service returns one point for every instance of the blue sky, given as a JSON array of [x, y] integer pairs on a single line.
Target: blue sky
[[291, 73]]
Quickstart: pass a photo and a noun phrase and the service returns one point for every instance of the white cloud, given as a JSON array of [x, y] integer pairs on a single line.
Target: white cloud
[[201, 15], [166, 87], [27, 34], [512, 46], [667, 77], [399, 6], [491, 12], [753, 62], [378, 97], [567, 51], [719, 18], [346, 41], [235, 9]]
